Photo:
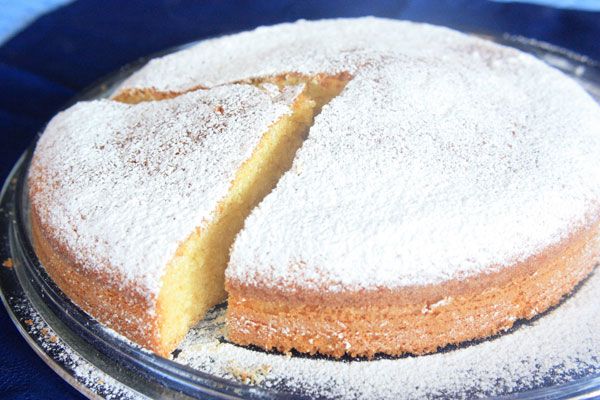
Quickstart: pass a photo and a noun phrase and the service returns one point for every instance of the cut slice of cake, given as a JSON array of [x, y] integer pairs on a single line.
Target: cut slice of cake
[[135, 207]]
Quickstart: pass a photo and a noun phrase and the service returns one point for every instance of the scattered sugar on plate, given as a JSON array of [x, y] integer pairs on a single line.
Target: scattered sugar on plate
[[96, 381], [555, 348]]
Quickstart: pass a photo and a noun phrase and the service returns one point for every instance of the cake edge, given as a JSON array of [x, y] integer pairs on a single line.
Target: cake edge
[[103, 294], [411, 320]]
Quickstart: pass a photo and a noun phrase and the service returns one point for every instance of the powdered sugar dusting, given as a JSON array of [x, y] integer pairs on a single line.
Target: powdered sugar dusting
[[82, 373], [429, 167], [555, 348], [445, 156], [309, 47], [123, 185]]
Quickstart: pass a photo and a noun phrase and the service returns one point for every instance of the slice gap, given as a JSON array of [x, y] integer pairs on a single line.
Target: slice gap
[[140, 95], [194, 280]]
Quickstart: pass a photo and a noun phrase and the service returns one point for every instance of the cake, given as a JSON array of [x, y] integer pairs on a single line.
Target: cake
[[170, 183], [352, 187]]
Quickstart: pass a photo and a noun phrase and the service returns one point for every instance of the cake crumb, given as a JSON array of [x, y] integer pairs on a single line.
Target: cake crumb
[[8, 263], [252, 376]]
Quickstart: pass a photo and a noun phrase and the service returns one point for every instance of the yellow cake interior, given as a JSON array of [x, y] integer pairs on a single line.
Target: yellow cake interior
[[194, 278]]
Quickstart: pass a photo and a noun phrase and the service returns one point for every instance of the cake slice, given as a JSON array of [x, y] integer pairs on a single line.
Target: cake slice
[[135, 207]]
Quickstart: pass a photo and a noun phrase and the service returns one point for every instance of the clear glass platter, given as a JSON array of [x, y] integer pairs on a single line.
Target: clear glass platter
[[101, 364]]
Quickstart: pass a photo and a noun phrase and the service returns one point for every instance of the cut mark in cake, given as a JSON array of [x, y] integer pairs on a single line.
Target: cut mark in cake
[[321, 88], [139, 95], [194, 280]]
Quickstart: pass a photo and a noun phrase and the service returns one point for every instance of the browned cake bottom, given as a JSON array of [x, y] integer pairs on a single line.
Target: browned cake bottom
[[415, 320]]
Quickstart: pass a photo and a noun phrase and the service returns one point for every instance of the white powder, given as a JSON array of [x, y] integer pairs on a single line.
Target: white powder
[[554, 348], [444, 156], [93, 380], [121, 186], [429, 166]]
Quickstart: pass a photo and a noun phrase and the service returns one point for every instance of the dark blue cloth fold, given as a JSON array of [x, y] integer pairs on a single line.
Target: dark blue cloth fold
[[64, 51]]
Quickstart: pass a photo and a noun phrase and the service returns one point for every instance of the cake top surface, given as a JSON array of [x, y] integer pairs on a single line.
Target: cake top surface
[[308, 47], [123, 185], [426, 170], [444, 156]]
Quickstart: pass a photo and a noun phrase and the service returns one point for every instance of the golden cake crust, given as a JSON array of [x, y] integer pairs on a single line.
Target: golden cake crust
[[416, 320], [100, 292]]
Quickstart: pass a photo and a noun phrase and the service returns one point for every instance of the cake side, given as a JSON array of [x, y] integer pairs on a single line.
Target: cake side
[[466, 174], [100, 292], [415, 320]]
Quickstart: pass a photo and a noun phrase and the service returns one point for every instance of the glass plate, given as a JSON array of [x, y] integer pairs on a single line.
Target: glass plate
[[101, 364]]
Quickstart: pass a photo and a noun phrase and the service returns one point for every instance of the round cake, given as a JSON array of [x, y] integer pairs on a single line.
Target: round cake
[[352, 187]]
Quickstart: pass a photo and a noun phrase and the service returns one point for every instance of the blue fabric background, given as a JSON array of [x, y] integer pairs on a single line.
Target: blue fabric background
[[71, 47]]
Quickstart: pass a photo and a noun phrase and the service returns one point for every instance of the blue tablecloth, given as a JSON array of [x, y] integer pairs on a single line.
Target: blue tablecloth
[[69, 48]]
